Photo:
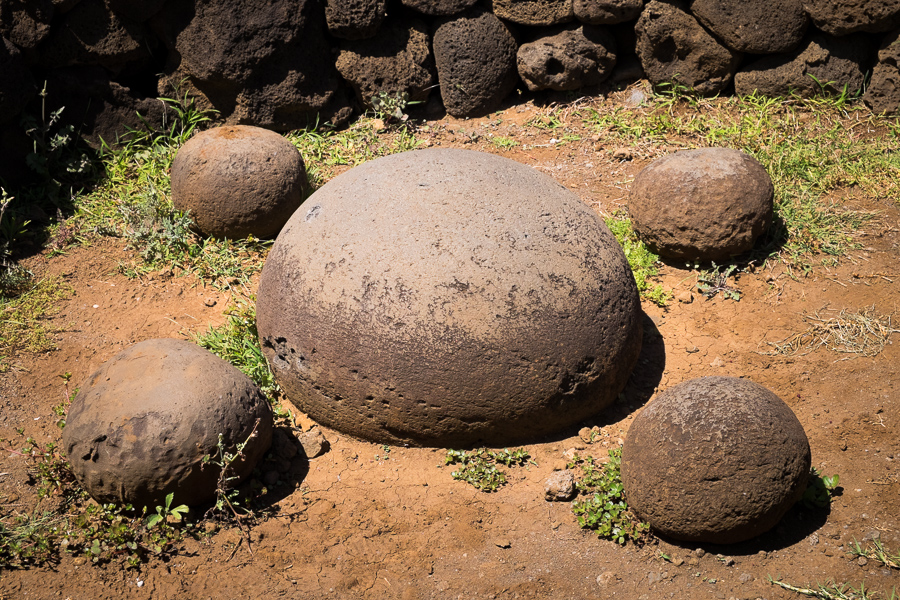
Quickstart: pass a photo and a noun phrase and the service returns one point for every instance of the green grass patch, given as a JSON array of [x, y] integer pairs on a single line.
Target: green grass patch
[[237, 341], [643, 262], [23, 316], [813, 149]]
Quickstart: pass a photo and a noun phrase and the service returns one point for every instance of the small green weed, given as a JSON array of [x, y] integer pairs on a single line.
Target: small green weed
[[835, 591], [167, 512], [711, 282], [820, 490], [605, 510], [391, 108], [877, 552], [479, 467], [503, 142], [643, 262]]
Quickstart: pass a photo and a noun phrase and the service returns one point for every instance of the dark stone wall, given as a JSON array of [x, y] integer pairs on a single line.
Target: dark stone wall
[[287, 64]]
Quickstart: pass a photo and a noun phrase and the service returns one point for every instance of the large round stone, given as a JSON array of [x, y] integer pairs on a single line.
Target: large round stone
[[448, 297], [238, 181], [705, 204], [142, 423], [715, 459]]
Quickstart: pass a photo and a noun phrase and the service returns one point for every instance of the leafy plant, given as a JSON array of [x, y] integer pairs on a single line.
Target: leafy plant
[[711, 282], [605, 509], [643, 262], [164, 513], [820, 490], [391, 108], [479, 467]]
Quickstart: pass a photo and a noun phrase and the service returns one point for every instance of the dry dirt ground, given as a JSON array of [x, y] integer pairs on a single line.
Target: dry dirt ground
[[363, 521]]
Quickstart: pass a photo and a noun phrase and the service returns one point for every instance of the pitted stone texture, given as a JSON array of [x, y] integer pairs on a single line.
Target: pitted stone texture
[[142, 423], [475, 55], [715, 459], [440, 8], [90, 34], [574, 57], [397, 59], [265, 64], [705, 204], [833, 61], [840, 17], [560, 487], [26, 23], [534, 12], [883, 93], [760, 27], [354, 19], [607, 12], [448, 297], [238, 181], [673, 46]]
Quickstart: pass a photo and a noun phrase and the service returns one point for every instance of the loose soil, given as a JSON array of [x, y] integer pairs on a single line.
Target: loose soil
[[363, 521]]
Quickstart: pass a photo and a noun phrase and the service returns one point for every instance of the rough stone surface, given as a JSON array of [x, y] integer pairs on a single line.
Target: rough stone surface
[[26, 23], [574, 57], [97, 106], [560, 487], [759, 27], [313, 443], [238, 181], [17, 86], [715, 459], [397, 59], [271, 68], [534, 12], [704, 204], [840, 17], [475, 56], [883, 93], [833, 61], [90, 34], [142, 423], [448, 297], [136, 11], [607, 12], [354, 19], [440, 7], [674, 46]]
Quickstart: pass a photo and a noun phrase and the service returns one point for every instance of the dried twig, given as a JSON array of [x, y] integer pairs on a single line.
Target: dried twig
[[862, 333]]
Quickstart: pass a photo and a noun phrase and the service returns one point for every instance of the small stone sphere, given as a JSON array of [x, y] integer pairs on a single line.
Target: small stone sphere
[[706, 204], [142, 423], [238, 181], [448, 297], [715, 459]]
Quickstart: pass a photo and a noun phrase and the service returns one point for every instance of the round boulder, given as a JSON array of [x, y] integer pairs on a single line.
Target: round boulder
[[142, 423], [715, 459], [238, 181], [448, 297], [567, 59], [705, 204]]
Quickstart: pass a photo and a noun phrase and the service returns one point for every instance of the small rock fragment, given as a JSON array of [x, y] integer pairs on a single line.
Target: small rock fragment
[[560, 487], [685, 297], [314, 443]]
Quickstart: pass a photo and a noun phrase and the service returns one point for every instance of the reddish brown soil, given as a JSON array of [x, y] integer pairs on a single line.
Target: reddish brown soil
[[362, 525]]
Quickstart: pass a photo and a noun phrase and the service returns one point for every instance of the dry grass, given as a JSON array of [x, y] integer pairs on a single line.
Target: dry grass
[[860, 333]]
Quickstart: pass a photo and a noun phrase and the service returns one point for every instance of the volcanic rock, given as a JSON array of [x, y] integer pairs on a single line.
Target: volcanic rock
[[440, 7], [560, 487], [142, 423], [760, 27], [354, 19], [476, 63], [883, 93], [841, 17], [447, 297], [714, 459], [822, 64], [569, 59], [534, 12], [674, 47], [705, 204], [238, 181], [398, 59], [607, 12]]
